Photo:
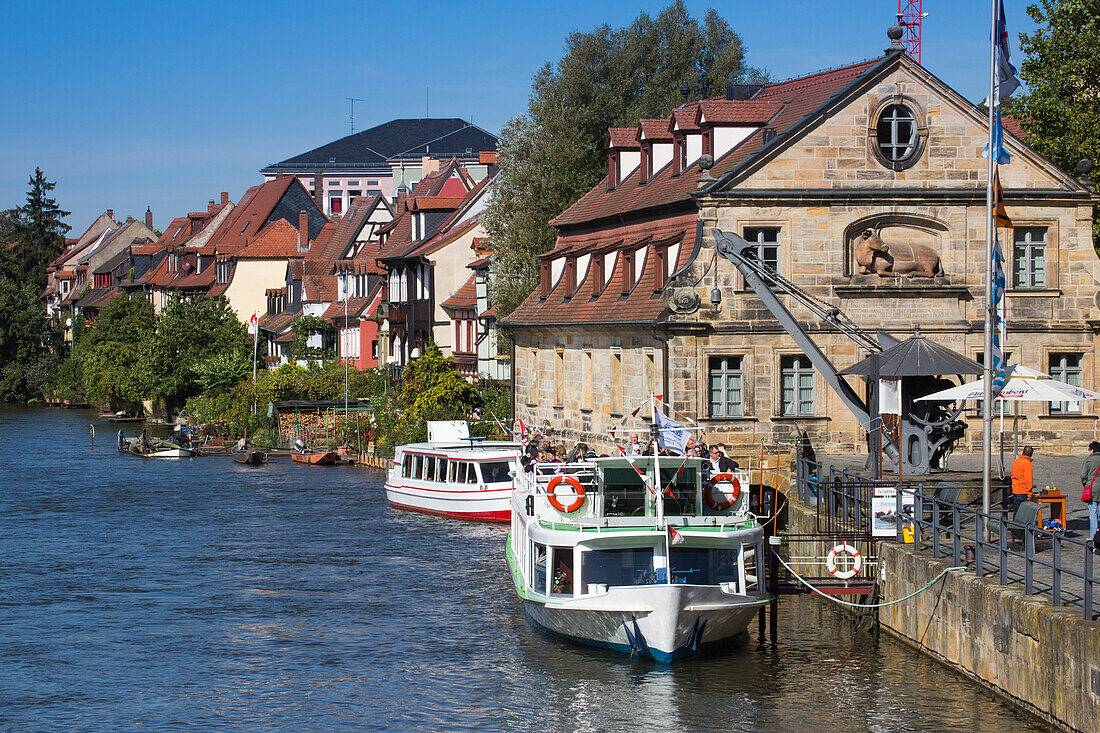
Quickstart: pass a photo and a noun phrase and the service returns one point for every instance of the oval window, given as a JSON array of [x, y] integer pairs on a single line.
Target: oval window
[[897, 133]]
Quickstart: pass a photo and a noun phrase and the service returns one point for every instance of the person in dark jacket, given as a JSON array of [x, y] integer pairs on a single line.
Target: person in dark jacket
[[719, 462], [1089, 470]]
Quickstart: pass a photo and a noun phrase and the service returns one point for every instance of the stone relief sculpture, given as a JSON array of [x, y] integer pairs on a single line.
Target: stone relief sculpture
[[874, 257]]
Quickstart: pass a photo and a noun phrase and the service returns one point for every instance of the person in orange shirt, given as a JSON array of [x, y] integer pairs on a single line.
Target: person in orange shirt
[[1022, 482]]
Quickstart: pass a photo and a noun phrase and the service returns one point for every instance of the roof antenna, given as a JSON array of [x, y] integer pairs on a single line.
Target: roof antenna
[[351, 117]]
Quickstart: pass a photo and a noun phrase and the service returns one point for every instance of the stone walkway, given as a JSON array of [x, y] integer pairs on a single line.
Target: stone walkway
[[1057, 472]]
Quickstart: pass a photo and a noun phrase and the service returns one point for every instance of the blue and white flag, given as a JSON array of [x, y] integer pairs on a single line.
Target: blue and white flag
[[671, 434], [1003, 157], [1007, 81]]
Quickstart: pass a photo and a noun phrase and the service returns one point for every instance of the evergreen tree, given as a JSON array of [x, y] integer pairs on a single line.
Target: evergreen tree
[[1061, 66], [38, 235], [608, 77]]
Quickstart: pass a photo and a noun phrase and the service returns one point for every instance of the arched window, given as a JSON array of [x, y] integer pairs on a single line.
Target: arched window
[[897, 133]]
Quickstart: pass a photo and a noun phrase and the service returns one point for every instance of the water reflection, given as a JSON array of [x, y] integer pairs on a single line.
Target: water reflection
[[200, 595]]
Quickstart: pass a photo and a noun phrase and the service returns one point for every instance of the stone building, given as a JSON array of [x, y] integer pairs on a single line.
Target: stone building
[[813, 170]]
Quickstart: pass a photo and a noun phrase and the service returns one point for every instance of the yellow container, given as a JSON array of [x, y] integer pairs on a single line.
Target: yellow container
[[907, 535]]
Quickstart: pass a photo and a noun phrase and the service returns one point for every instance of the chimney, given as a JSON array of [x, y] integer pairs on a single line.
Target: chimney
[[148, 217], [741, 92], [428, 166], [319, 190], [210, 205], [399, 202], [111, 214], [303, 231], [225, 197]]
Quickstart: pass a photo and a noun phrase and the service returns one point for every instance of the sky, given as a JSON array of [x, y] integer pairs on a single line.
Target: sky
[[164, 105]]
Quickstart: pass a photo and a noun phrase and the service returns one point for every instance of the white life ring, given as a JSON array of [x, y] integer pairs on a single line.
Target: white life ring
[[830, 562]]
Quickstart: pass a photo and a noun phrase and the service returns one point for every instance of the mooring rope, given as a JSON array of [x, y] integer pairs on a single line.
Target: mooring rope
[[865, 605]]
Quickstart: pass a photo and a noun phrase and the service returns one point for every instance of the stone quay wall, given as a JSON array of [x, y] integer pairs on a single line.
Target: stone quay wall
[[1045, 659]]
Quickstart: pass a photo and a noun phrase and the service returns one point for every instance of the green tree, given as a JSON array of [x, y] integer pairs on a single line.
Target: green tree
[[1061, 66], [195, 338], [26, 364], [114, 353], [37, 234], [608, 77]]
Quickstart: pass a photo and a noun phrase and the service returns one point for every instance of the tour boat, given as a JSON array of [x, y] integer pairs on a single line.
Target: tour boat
[[599, 557], [453, 475]]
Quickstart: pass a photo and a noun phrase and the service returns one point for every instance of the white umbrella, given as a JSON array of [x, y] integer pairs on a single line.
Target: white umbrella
[[1024, 385]]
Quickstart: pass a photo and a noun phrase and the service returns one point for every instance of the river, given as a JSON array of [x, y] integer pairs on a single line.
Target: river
[[197, 594]]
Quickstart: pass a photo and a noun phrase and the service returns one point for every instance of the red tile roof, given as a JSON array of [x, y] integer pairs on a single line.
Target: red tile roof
[[640, 305], [319, 288], [146, 249], [464, 297], [335, 311], [1012, 126], [724, 111], [249, 216], [278, 240], [684, 118], [435, 203], [655, 130], [622, 137], [666, 191]]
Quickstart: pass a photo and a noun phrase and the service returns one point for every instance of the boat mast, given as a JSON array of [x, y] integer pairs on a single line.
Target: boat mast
[[656, 464]]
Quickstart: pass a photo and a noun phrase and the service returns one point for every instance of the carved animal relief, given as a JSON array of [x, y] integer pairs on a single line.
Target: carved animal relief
[[872, 256]]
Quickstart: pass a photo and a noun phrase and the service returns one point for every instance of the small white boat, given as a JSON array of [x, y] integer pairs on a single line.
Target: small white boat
[[600, 558], [453, 475]]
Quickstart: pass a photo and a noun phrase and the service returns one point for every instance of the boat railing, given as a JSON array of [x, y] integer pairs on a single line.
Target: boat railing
[[614, 505]]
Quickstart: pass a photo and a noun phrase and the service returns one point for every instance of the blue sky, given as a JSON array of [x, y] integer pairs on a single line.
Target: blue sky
[[167, 104]]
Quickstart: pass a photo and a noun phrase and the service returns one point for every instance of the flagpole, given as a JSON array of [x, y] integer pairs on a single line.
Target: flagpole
[[987, 371], [659, 486]]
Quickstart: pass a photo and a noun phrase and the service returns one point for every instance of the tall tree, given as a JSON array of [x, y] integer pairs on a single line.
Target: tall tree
[[553, 154], [38, 233], [113, 354], [26, 365], [1061, 65], [188, 333]]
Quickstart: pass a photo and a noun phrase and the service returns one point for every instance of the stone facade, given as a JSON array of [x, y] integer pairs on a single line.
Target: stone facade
[[815, 190]]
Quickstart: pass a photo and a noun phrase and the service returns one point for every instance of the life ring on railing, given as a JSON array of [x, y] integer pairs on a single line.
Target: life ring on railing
[[553, 499], [713, 482], [830, 562]]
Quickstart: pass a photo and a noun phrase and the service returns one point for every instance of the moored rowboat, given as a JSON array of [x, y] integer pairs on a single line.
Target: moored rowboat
[[250, 457], [316, 458]]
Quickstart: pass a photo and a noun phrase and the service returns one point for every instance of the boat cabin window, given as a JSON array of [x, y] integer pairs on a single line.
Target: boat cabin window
[[495, 472], [471, 474], [461, 473], [441, 469], [630, 566], [538, 567], [682, 482], [452, 469], [407, 465], [624, 493], [418, 466], [429, 468], [703, 565], [562, 581]]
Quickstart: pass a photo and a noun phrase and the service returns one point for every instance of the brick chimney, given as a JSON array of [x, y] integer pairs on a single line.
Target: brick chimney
[[303, 231], [225, 197], [319, 190], [111, 214], [148, 217], [399, 202]]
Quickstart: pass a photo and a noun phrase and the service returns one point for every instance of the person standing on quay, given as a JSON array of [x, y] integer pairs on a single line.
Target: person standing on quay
[[1022, 478], [1089, 471]]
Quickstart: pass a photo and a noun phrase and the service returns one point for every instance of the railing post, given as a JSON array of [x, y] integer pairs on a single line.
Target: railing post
[[979, 545], [1029, 559], [1088, 582], [935, 527], [1056, 571], [956, 550], [1002, 549]]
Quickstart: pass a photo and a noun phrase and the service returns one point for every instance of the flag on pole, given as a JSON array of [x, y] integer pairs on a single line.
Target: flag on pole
[[1001, 370], [254, 324], [1003, 156], [671, 434], [1007, 82], [674, 537], [1000, 214]]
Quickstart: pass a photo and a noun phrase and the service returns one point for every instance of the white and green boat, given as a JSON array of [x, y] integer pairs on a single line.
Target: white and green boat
[[602, 556]]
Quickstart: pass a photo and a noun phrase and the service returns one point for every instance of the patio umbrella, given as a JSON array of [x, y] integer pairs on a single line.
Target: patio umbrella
[[1024, 385]]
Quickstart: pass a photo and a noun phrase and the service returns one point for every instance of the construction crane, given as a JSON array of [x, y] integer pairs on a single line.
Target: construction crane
[[909, 18]]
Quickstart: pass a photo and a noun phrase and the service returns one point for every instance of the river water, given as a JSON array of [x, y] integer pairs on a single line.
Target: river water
[[201, 595]]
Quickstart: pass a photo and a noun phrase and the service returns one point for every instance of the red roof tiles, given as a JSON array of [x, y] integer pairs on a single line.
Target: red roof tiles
[[622, 137], [464, 297], [724, 111], [278, 240], [655, 130]]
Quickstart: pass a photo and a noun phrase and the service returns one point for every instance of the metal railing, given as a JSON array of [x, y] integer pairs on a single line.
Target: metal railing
[[994, 544]]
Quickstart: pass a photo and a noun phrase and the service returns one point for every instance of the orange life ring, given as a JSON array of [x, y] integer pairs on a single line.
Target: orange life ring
[[712, 483], [553, 485]]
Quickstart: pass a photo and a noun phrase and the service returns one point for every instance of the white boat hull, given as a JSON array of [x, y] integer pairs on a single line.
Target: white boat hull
[[489, 505], [664, 622]]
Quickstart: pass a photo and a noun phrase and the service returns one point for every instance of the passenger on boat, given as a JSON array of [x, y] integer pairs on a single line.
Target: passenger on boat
[[634, 448], [719, 462]]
